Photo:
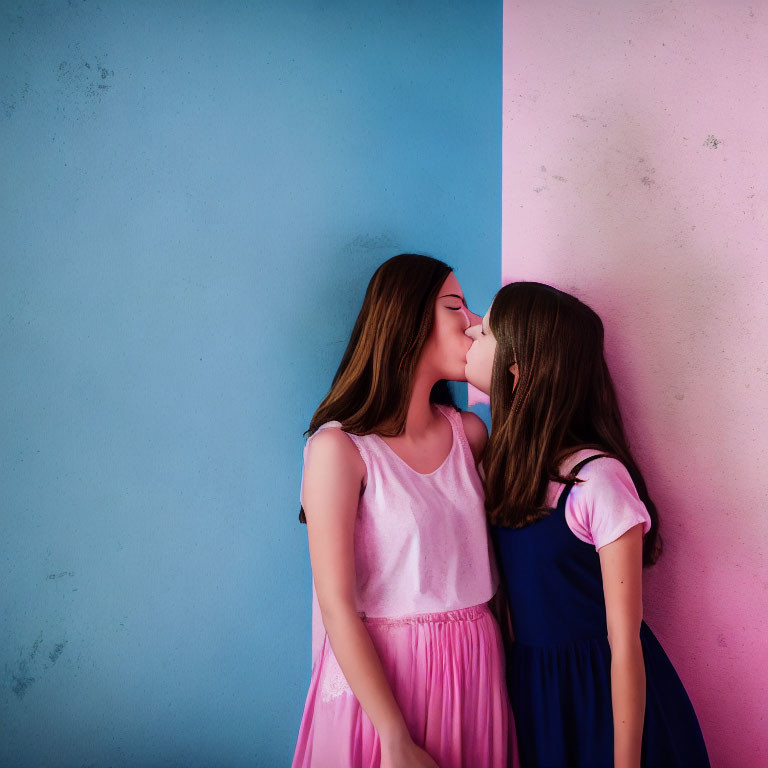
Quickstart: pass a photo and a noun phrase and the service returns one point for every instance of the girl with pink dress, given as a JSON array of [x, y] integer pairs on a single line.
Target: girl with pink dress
[[408, 664]]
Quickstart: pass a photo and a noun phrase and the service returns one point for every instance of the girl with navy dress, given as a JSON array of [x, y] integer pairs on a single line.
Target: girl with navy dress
[[573, 524]]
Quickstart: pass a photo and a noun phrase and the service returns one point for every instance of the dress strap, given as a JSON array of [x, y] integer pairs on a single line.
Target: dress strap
[[457, 425], [575, 471]]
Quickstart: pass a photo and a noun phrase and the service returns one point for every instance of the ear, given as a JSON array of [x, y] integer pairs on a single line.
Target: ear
[[515, 371]]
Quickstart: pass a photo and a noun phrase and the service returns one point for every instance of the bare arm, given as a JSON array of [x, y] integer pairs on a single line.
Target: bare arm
[[621, 562], [476, 432], [333, 477]]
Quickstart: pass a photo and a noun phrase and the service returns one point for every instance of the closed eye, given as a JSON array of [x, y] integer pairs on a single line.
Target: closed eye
[[455, 296]]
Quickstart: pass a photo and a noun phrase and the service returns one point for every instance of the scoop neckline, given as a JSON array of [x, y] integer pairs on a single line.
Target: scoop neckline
[[445, 460]]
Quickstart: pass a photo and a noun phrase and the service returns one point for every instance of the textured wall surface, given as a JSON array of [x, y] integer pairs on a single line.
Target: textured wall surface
[[193, 196], [635, 174]]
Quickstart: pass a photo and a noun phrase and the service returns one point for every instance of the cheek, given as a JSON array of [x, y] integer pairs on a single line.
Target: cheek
[[475, 357], [450, 334], [485, 359]]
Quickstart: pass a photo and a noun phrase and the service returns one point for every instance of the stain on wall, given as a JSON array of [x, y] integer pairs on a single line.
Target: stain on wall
[[83, 79], [712, 142], [30, 665]]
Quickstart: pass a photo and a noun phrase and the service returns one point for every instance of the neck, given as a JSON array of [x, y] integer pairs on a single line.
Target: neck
[[421, 415]]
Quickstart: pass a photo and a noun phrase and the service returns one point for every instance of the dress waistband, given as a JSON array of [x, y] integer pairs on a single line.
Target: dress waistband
[[473, 613]]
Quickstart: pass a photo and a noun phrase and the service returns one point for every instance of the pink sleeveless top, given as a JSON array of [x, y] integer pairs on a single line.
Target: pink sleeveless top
[[421, 540]]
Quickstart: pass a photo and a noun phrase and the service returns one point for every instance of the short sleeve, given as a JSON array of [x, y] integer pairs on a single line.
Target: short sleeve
[[606, 505]]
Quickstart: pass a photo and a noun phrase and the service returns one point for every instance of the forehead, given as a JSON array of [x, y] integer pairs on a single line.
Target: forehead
[[451, 285]]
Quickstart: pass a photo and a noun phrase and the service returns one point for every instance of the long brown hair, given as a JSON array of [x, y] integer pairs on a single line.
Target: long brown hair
[[372, 386], [563, 401]]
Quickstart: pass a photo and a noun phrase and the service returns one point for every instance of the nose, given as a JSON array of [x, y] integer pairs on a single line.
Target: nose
[[474, 329], [470, 318]]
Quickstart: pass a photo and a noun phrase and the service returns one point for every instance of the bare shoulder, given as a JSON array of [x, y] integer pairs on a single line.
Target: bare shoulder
[[334, 474], [331, 450], [476, 432]]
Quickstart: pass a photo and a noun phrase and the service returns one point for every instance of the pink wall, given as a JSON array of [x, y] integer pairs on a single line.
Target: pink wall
[[635, 174]]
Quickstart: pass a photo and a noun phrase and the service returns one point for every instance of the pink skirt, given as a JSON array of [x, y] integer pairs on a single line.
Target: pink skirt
[[446, 671]]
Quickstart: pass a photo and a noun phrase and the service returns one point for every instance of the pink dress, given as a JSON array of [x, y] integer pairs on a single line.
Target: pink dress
[[424, 574]]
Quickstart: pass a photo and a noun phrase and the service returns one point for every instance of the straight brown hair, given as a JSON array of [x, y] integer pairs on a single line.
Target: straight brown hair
[[563, 401], [372, 386]]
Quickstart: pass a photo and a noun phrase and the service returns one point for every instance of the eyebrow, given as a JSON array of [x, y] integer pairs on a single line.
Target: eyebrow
[[454, 296]]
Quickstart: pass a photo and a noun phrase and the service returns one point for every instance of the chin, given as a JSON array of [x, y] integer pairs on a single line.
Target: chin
[[479, 387]]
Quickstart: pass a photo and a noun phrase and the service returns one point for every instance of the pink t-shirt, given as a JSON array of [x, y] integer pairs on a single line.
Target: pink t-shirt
[[604, 506]]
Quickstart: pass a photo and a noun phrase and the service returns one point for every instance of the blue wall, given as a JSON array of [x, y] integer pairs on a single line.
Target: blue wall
[[194, 196]]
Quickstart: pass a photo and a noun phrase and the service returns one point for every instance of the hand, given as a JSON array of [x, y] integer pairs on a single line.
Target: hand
[[405, 754]]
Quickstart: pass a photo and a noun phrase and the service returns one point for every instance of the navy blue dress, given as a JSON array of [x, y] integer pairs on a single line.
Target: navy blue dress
[[559, 673]]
